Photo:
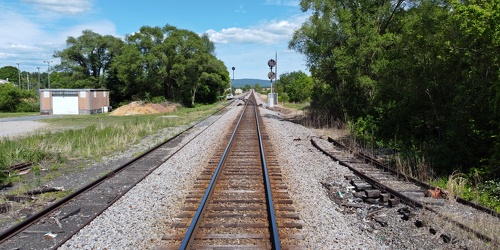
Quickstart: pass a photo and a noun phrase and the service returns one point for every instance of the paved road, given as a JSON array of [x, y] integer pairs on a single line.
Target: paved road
[[14, 126]]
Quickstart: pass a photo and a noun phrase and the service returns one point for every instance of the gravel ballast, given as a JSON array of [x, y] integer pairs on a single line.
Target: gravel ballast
[[304, 168], [139, 219], [136, 220]]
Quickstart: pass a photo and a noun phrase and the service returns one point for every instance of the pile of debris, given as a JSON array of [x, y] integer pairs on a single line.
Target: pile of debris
[[141, 108], [437, 193]]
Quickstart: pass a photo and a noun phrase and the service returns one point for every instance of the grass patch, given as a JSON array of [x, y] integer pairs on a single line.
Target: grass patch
[[486, 193], [6, 115], [297, 106], [91, 136]]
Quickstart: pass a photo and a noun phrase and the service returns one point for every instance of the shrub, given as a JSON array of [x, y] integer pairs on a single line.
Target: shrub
[[283, 97]]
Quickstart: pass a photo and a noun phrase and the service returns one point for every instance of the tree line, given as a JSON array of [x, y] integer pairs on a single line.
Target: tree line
[[416, 75], [153, 64]]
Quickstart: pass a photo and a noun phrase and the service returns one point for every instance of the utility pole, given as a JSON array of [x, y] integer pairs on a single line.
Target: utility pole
[[48, 71], [38, 77], [19, 76]]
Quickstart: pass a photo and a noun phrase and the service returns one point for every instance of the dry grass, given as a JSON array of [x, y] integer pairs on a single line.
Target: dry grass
[[459, 237], [416, 168], [456, 185]]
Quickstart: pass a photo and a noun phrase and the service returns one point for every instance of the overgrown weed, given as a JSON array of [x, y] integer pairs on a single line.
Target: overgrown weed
[[411, 162]]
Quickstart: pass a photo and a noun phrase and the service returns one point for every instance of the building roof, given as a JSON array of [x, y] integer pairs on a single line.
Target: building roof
[[74, 90]]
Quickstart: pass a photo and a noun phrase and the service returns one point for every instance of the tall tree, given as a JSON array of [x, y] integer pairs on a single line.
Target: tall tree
[[342, 40], [478, 48], [169, 62], [297, 85], [89, 55], [9, 72], [425, 72]]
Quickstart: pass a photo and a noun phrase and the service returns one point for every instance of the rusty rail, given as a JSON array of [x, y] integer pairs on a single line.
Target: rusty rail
[[405, 199]]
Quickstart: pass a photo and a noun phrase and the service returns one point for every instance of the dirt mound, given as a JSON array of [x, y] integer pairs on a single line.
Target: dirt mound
[[140, 108]]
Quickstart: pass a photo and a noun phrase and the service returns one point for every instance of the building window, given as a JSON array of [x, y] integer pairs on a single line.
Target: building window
[[83, 94]]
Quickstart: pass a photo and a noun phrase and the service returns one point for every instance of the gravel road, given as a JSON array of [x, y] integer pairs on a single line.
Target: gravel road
[[15, 128]]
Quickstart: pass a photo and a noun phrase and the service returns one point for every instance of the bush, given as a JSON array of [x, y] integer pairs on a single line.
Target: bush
[[28, 106], [13, 99], [159, 99], [283, 97]]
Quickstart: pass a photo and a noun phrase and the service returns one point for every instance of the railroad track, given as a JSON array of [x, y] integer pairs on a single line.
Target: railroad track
[[240, 200], [57, 223], [380, 184]]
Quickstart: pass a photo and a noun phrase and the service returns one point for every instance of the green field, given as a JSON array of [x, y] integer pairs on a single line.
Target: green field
[[91, 136]]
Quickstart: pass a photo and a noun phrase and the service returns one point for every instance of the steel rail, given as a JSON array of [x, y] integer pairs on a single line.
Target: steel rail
[[373, 182], [190, 232], [273, 227], [17, 228], [378, 164], [405, 199], [270, 206]]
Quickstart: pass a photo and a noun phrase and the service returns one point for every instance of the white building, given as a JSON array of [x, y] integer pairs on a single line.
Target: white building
[[2, 81]]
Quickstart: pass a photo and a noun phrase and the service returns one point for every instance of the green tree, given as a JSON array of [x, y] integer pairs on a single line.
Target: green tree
[[478, 47], [192, 55], [297, 85], [177, 64], [436, 91], [257, 88], [9, 72], [425, 72], [214, 79], [88, 56], [341, 41], [140, 64], [247, 87]]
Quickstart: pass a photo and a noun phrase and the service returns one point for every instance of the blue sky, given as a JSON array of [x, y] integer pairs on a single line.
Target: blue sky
[[246, 33]]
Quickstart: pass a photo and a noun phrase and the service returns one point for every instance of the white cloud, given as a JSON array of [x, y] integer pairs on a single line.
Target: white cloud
[[103, 27], [17, 28], [243, 36], [72, 7], [283, 2], [30, 39], [267, 32]]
